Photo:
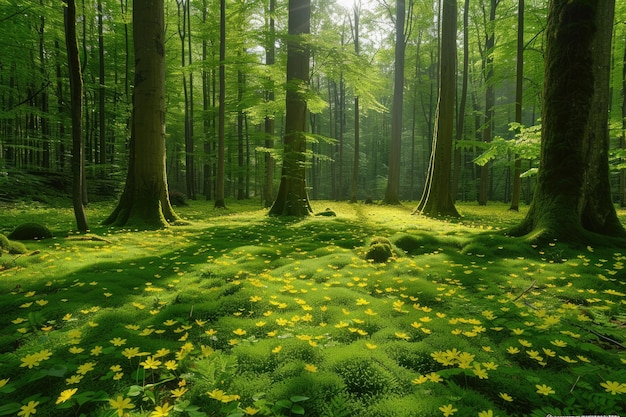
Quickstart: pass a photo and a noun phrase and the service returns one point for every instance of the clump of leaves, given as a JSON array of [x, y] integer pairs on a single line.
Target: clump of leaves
[[30, 231]]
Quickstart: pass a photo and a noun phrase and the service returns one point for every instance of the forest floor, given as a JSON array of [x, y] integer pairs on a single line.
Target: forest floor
[[236, 313]]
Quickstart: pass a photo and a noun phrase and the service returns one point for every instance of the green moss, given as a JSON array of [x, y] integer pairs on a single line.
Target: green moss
[[379, 253], [30, 231]]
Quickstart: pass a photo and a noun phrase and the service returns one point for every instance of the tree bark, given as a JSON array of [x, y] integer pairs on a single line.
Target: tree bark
[[519, 94], [392, 192], [436, 200], [571, 196], [219, 186], [270, 55], [292, 198], [145, 200], [490, 101], [460, 121], [76, 97]]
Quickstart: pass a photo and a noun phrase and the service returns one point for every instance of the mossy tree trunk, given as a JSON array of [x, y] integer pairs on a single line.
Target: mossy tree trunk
[[145, 200], [292, 198], [572, 196], [437, 198], [76, 93]]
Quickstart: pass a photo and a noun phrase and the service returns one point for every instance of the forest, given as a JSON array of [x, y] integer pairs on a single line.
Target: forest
[[323, 208]]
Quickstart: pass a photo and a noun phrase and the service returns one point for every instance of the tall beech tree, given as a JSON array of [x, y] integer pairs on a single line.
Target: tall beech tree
[[437, 198], [572, 199], [292, 198], [145, 200], [76, 101], [392, 192]]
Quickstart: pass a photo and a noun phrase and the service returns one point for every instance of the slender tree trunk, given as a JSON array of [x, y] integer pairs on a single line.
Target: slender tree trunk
[[44, 117], [76, 93], [460, 122], [622, 172], [270, 52], [436, 200], [490, 101], [392, 192], [189, 143], [292, 198], [240, 141], [519, 94], [357, 128], [219, 190], [101, 91]]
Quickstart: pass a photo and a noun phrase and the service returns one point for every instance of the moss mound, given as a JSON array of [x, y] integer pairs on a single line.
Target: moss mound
[[30, 231], [380, 250]]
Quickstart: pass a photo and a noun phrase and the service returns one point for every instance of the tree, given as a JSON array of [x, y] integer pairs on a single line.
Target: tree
[[519, 92], [392, 192], [572, 199], [76, 93], [292, 198], [490, 99], [145, 200], [357, 128], [270, 60], [219, 186], [437, 199]]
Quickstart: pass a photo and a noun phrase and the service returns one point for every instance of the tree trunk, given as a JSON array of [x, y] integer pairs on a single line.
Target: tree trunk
[[519, 94], [460, 121], [219, 186], [392, 192], [571, 194], [101, 92], [436, 200], [292, 198], [598, 213], [145, 200], [490, 101], [270, 52], [76, 97], [622, 172], [355, 164]]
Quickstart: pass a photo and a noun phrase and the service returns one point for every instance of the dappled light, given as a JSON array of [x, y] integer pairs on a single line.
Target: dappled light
[[239, 312]]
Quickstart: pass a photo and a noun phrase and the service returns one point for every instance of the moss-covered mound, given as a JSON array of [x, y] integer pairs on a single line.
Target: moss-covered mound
[[30, 231]]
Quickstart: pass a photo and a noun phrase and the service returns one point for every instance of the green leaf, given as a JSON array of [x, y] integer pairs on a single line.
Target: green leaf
[[283, 404], [9, 409], [298, 398], [58, 371], [134, 390], [297, 409]]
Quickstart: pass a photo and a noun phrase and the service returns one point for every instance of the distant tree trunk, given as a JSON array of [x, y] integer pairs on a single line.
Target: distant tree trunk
[[270, 52], [622, 172], [44, 117], [436, 200], [76, 93], [572, 197], [519, 94], [145, 200], [392, 192], [241, 173], [355, 164], [460, 121], [219, 186], [490, 101], [206, 120], [189, 143], [101, 91], [292, 198]]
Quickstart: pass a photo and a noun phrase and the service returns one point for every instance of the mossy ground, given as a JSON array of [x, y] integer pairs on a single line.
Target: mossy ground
[[241, 302]]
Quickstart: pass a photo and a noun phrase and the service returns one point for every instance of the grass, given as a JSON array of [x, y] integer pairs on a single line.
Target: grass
[[237, 313]]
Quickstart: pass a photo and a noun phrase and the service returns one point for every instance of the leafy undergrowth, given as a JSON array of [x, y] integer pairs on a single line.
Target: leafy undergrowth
[[239, 314]]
